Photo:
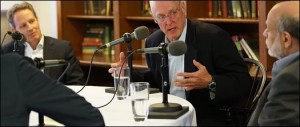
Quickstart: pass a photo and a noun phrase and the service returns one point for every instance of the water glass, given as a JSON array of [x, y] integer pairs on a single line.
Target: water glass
[[121, 82], [139, 94]]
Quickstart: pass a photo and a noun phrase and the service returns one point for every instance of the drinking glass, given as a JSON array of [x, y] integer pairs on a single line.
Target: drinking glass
[[139, 94], [121, 82]]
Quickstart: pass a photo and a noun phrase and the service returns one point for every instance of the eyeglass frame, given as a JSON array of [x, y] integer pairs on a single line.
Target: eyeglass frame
[[172, 14]]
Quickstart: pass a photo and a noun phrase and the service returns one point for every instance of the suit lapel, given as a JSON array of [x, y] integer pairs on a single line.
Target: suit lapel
[[48, 52], [48, 49], [191, 53]]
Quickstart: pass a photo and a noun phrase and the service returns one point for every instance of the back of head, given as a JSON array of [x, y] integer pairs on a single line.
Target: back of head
[[17, 7], [288, 17]]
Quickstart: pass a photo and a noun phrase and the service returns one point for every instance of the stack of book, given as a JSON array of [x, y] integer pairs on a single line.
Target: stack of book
[[95, 36]]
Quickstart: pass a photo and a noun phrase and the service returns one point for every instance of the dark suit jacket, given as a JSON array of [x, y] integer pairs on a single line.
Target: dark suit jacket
[[24, 88], [56, 49], [213, 48], [279, 103]]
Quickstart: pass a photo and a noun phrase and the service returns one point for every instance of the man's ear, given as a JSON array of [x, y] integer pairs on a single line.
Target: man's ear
[[286, 39]]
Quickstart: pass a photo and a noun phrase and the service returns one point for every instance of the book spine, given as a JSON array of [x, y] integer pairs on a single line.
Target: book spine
[[224, 8], [229, 9], [210, 8]]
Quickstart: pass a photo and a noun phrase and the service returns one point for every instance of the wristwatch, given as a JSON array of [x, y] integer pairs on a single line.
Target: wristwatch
[[212, 85]]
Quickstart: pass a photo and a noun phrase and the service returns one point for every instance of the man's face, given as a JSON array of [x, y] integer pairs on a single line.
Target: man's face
[[273, 38], [170, 17], [27, 24]]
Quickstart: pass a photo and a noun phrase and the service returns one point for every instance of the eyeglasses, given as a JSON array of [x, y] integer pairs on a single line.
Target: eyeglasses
[[172, 14]]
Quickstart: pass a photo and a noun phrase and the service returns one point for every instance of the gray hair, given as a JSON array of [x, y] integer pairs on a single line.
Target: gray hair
[[289, 24], [15, 8]]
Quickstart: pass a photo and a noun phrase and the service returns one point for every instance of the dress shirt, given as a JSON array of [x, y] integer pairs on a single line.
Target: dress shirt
[[281, 63], [176, 64], [35, 53]]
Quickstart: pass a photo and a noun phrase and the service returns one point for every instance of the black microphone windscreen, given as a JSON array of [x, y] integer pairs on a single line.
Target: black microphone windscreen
[[141, 32], [17, 36], [177, 48]]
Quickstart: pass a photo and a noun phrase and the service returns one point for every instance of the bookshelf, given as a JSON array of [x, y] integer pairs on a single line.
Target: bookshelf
[[127, 15]]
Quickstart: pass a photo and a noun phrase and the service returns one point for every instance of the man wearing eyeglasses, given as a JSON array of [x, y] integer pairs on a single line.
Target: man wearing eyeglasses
[[214, 73]]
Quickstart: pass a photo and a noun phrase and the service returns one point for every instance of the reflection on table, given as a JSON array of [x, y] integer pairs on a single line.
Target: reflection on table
[[119, 112]]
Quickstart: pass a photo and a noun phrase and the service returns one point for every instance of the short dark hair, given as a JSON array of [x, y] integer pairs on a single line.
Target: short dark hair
[[289, 24], [17, 7]]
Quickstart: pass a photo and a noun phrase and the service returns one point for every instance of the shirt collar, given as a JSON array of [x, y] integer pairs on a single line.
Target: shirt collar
[[281, 63], [40, 44]]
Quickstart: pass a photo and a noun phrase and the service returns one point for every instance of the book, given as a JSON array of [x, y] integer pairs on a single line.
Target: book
[[233, 3], [239, 13], [229, 9], [102, 7], [108, 8], [219, 10], [89, 49], [253, 8], [145, 8], [215, 8], [85, 7], [210, 8], [245, 8], [248, 50], [236, 40], [224, 8]]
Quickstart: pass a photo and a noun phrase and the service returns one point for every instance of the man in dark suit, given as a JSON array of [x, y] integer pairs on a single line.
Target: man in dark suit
[[22, 18], [214, 73], [279, 103], [24, 88]]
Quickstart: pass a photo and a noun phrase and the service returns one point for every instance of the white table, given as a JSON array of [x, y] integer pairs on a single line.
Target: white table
[[119, 112]]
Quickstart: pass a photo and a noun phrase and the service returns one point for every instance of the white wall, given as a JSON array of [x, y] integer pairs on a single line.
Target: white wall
[[46, 12]]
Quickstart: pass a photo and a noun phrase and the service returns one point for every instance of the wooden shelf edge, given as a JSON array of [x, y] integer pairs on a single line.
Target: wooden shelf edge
[[227, 20], [98, 17], [139, 18], [217, 20]]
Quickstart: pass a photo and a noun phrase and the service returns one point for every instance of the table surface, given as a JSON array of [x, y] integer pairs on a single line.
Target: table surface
[[119, 112]]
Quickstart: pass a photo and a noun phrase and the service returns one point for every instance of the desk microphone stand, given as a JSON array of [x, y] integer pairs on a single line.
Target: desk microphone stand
[[16, 46], [165, 110], [128, 40], [41, 120]]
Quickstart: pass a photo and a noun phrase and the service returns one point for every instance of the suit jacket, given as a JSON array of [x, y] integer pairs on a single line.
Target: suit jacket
[[213, 48], [56, 49], [279, 103], [24, 88]]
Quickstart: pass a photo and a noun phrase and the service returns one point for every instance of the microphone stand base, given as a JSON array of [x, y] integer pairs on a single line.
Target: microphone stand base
[[166, 111]]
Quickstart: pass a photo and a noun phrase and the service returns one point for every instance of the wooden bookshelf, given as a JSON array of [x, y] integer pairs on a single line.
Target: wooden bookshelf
[[127, 15], [228, 20]]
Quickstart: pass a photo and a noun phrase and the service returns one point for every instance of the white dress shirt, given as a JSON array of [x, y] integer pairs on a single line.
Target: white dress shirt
[[176, 64]]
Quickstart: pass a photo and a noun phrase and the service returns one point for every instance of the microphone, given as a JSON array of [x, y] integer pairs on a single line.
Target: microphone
[[17, 36], [138, 34], [175, 48], [41, 63]]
